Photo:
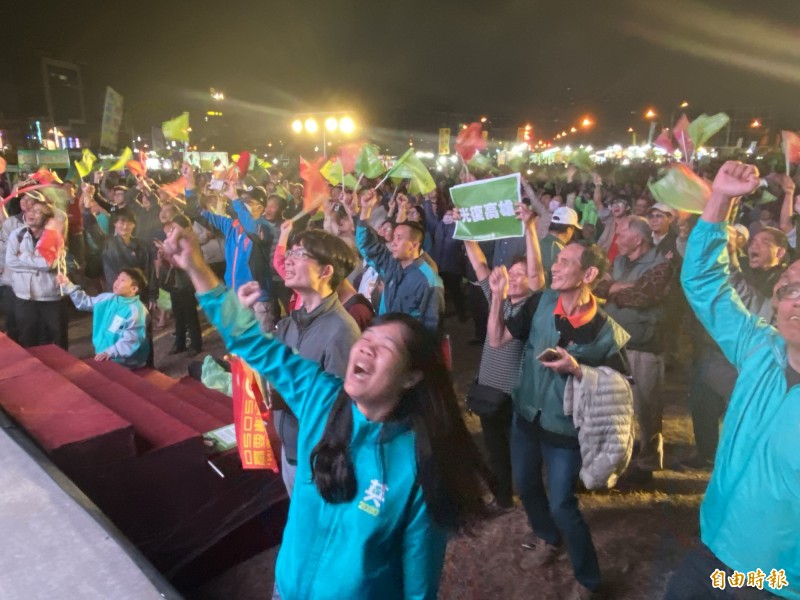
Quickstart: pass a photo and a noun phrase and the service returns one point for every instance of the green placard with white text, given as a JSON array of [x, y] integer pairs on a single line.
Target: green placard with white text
[[487, 209]]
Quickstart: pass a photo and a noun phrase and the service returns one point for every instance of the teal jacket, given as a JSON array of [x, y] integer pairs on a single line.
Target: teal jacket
[[119, 326], [750, 516], [541, 390], [382, 544]]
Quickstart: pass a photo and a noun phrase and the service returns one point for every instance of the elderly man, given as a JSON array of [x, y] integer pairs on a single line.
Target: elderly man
[[660, 218], [567, 319], [750, 516], [636, 293]]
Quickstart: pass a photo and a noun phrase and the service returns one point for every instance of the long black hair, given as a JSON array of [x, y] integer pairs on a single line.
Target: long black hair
[[450, 469]]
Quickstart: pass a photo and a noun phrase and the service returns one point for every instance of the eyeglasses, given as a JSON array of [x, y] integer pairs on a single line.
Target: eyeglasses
[[298, 253], [790, 291]]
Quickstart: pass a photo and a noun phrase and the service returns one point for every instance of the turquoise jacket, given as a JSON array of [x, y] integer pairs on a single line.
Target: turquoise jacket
[[382, 544], [119, 326], [750, 516]]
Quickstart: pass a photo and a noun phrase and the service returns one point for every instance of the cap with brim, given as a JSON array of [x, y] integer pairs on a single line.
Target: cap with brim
[[564, 215], [256, 192], [744, 231], [662, 208]]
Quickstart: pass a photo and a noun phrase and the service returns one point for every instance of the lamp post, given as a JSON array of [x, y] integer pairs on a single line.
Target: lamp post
[[334, 121], [651, 115]]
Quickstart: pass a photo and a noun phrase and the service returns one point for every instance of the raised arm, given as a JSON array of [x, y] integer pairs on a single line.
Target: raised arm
[[496, 330], [787, 207], [705, 269], [533, 252], [367, 241], [296, 379]]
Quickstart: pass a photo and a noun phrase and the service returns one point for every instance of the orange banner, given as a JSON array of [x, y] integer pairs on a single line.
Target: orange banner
[[255, 450]]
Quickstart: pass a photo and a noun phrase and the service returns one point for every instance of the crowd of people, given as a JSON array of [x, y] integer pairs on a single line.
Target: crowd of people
[[342, 309]]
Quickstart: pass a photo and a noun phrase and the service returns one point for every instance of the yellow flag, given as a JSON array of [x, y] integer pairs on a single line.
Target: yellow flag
[[177, 129], [84, 165], [122, 161]]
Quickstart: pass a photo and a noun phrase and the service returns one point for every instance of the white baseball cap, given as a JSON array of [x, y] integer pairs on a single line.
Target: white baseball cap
[[564, 215], [662, 208]]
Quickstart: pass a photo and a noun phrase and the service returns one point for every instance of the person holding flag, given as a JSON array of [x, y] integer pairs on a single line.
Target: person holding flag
[[377, 489], [412, 286], [248, 240]]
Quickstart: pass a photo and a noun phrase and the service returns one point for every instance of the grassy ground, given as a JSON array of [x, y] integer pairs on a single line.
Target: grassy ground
[[640, 535]]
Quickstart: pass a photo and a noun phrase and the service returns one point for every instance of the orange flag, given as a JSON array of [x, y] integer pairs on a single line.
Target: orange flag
[[255, 449], [136, 168], [176, 188]]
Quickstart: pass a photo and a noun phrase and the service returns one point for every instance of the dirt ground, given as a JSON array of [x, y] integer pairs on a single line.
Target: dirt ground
[[640, 535]]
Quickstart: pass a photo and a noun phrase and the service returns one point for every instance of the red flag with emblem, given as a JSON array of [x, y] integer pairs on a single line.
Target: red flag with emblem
[[176, 188], [136, 168], [470, 141], [243, 163], [681, 134], [249, 413], [50, 245], [791, 147], [664, 141], [348, 155], [315, 188]]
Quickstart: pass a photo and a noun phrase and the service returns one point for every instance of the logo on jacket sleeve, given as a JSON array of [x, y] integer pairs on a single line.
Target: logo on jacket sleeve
[[373, 498]]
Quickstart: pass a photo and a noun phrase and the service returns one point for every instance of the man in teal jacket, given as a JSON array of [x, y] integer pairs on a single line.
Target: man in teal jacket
[[750, 516]]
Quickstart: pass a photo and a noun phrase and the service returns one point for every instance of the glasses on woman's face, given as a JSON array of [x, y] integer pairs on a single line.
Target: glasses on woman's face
[[790, 291], [298, 253]]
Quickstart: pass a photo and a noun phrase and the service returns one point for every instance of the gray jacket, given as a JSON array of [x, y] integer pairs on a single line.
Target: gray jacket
[[9, 225], [325, 335], [32, 278]]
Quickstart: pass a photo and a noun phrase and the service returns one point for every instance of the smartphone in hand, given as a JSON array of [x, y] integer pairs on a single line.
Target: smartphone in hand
[[548, 355]]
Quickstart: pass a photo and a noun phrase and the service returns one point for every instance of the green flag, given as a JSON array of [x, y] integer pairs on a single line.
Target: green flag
[[368, 162], [582, 160], [122, 161], [259, 171], [84, 165], [480, 162], [409, 166], [487, 209], [73, 175], [704, 127], [177, 129], [681, 189]]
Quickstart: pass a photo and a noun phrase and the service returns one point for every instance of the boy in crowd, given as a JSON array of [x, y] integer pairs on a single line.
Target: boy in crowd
[[120, 318]]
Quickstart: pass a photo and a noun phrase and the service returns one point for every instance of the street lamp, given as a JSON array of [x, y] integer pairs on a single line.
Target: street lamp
[[331, 123], [755, 124], [650, 114], [587, 122], [217, 94], [311, 125], [684, 104], [297, 125], [346, 125]]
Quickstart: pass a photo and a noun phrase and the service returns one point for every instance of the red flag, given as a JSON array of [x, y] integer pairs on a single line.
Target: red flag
[[791, 147], [2, 165], [136, 168], [681, 133], [664, 140], [349, 153], [255, 450], [176, 188], [315, 190], [50, 245], [243, 163], [470, 141], [45, 175]]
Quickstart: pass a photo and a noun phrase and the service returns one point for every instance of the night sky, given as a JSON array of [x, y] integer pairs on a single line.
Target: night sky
[[545, 61]]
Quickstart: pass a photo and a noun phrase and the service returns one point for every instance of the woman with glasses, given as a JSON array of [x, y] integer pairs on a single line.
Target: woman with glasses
[[377, 485]]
